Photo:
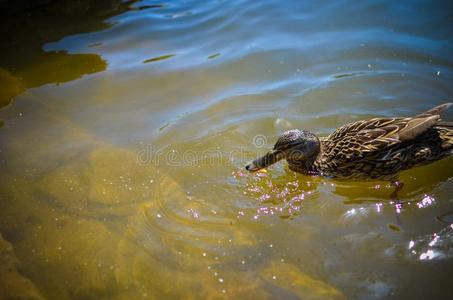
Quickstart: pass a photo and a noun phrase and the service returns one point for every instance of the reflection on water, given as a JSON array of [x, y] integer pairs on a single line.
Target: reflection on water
[[23, 62], [128, 183], [433, 246]]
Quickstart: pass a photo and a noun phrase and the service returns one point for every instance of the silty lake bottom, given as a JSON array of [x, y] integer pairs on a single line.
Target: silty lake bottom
[[126, 126]]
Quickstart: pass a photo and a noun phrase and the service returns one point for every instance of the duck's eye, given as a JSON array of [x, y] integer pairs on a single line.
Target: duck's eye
[[280, 147]]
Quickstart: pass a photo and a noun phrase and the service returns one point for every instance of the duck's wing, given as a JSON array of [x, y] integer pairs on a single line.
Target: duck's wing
[[363, 138]]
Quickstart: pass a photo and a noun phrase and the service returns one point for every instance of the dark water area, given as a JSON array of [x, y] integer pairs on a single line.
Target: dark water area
[[125, 127]]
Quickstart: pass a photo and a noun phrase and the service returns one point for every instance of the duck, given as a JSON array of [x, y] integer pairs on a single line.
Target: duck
[[373, 149]]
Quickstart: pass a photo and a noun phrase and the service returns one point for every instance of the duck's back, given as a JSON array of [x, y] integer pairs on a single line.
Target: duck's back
[[379, 148]]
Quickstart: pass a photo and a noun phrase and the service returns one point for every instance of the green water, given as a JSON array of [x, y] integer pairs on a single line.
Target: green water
[[125, 128]]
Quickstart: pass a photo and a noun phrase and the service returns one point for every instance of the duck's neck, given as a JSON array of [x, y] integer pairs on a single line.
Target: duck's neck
[[306, 166]]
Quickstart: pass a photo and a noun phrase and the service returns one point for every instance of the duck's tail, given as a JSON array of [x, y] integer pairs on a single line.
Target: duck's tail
[[435, 110]]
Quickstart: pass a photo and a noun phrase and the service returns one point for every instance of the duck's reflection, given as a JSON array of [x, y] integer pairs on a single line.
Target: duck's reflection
[[416, 184]]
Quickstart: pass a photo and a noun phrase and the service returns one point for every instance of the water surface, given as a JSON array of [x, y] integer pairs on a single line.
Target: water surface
[[126, 127]]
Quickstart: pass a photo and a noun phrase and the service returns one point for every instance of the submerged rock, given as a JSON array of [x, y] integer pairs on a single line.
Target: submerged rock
[[13, 285], [107, 181], [293, 280], [110, 227]]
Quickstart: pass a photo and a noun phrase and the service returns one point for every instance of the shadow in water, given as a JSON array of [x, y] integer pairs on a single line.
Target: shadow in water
[[23, 62], [417, 182]]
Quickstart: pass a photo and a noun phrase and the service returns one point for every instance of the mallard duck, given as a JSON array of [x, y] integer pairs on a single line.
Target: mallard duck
[[378, 148]]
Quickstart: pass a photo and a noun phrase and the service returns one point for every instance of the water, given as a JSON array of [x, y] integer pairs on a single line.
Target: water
[[126, 130]]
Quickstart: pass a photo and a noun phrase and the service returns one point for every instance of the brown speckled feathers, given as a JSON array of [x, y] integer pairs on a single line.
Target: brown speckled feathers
[[381, 147]]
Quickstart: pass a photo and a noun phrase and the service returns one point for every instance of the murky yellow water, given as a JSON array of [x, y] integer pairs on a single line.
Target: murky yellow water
[[125, 128]]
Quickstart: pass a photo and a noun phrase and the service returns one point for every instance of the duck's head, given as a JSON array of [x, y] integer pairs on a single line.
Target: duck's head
[[298, 147]]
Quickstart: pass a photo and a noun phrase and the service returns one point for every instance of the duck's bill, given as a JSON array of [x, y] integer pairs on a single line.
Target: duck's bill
[[265, 161]]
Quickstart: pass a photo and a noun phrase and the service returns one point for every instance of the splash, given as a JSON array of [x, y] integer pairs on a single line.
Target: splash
[[275, 197]]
